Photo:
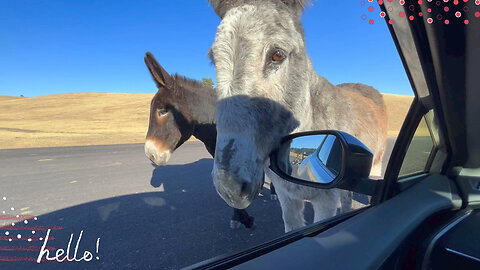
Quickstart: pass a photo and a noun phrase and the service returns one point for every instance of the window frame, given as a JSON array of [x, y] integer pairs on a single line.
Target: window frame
[[414, 116]]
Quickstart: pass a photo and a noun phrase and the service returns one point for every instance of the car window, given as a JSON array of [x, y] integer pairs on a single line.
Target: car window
[[419, 151], [334, 162], [326, 148], [330, 154], [76, 161]]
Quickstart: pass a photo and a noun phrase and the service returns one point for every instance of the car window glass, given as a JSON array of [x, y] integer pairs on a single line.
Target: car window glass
[[326, 148], [419, 150], [334, 162], [77, 161]]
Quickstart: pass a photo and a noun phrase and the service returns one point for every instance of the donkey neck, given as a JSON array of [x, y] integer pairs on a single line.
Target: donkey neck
[[329, 105], [201, 103]]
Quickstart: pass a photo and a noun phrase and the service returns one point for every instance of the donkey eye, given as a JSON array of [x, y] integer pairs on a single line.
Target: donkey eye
[[162, 112], [278, 56]]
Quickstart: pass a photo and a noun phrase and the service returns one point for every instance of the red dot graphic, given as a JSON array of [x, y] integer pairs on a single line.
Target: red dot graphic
[[447, 21], [429, 20], [370, 9], [429, 10], [401, 14], [411, 18], [420, 14], [446, 9], [371, 21], [390, 21], [382, 14], [420, 2], [466, 21], [455, 2], [380, 2], [458, 14], [477, 14]]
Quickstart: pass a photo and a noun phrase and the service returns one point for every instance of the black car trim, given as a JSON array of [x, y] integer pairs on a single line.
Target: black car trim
[[463, 254], [419, 36], [444, 230], [367, 240], [400, 149]]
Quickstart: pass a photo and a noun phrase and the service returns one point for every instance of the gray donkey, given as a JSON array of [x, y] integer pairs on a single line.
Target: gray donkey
[[266, 89]]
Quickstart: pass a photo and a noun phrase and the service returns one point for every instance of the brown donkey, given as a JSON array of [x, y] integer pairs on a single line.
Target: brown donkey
[[181, 108]]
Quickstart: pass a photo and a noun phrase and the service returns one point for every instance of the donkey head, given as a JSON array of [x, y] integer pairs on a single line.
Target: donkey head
[[262, 87], [169, 124]]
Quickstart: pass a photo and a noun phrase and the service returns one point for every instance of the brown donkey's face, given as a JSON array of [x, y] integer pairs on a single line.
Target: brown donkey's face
[[168, 127]]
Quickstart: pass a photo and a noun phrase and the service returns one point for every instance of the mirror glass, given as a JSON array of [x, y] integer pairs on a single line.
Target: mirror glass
[[315, 158]]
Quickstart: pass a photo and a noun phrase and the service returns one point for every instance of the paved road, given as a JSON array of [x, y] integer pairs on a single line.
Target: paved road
[[146, 217]]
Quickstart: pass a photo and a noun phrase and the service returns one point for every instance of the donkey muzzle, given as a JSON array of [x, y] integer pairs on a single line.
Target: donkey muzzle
[[155, 154]]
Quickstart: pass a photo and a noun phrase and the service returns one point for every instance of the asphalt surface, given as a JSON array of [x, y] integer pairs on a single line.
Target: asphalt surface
[[146, 217]]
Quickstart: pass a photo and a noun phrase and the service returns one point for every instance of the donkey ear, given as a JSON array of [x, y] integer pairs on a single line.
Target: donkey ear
[[160, 75], [297, 6], [222, 6]]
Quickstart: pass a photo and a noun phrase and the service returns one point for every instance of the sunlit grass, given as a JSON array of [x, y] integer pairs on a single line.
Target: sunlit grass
[[102, 118]]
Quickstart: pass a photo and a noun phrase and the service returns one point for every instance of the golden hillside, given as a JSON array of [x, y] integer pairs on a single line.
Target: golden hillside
[[397, 109], [74, 119], [3, 98], [101, 118]]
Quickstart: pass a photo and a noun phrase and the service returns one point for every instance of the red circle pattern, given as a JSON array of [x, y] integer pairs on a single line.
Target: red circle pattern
[[439, 16]]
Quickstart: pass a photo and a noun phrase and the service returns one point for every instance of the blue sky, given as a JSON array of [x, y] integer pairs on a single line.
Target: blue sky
[[64, 46], [311, 141]]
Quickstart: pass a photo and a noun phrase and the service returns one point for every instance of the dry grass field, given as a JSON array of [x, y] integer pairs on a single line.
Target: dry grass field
[[73, 119], [397, 109], [101, 118]]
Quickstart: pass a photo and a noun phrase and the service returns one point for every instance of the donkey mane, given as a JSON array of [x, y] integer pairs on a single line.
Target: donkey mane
[[366, 91], [184, 87], [222, 6], [187, 82]]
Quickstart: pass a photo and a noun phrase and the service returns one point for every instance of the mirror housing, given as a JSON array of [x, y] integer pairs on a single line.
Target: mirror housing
[[356, 163]]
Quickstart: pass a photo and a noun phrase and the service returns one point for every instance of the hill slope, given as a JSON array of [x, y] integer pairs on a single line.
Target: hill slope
[[101, 118]]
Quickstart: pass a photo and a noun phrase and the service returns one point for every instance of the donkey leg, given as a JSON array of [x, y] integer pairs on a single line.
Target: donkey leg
[[246, 220], [240, 216], [273, 193], [346, 199], [292, 212], [325, 205], [235, 220]]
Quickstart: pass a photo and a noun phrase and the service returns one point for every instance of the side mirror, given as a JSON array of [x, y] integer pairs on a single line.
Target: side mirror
[[325, 159]]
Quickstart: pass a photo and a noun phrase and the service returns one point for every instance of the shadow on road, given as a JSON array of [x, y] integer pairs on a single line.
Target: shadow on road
[[181, 224], [177, 176]]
